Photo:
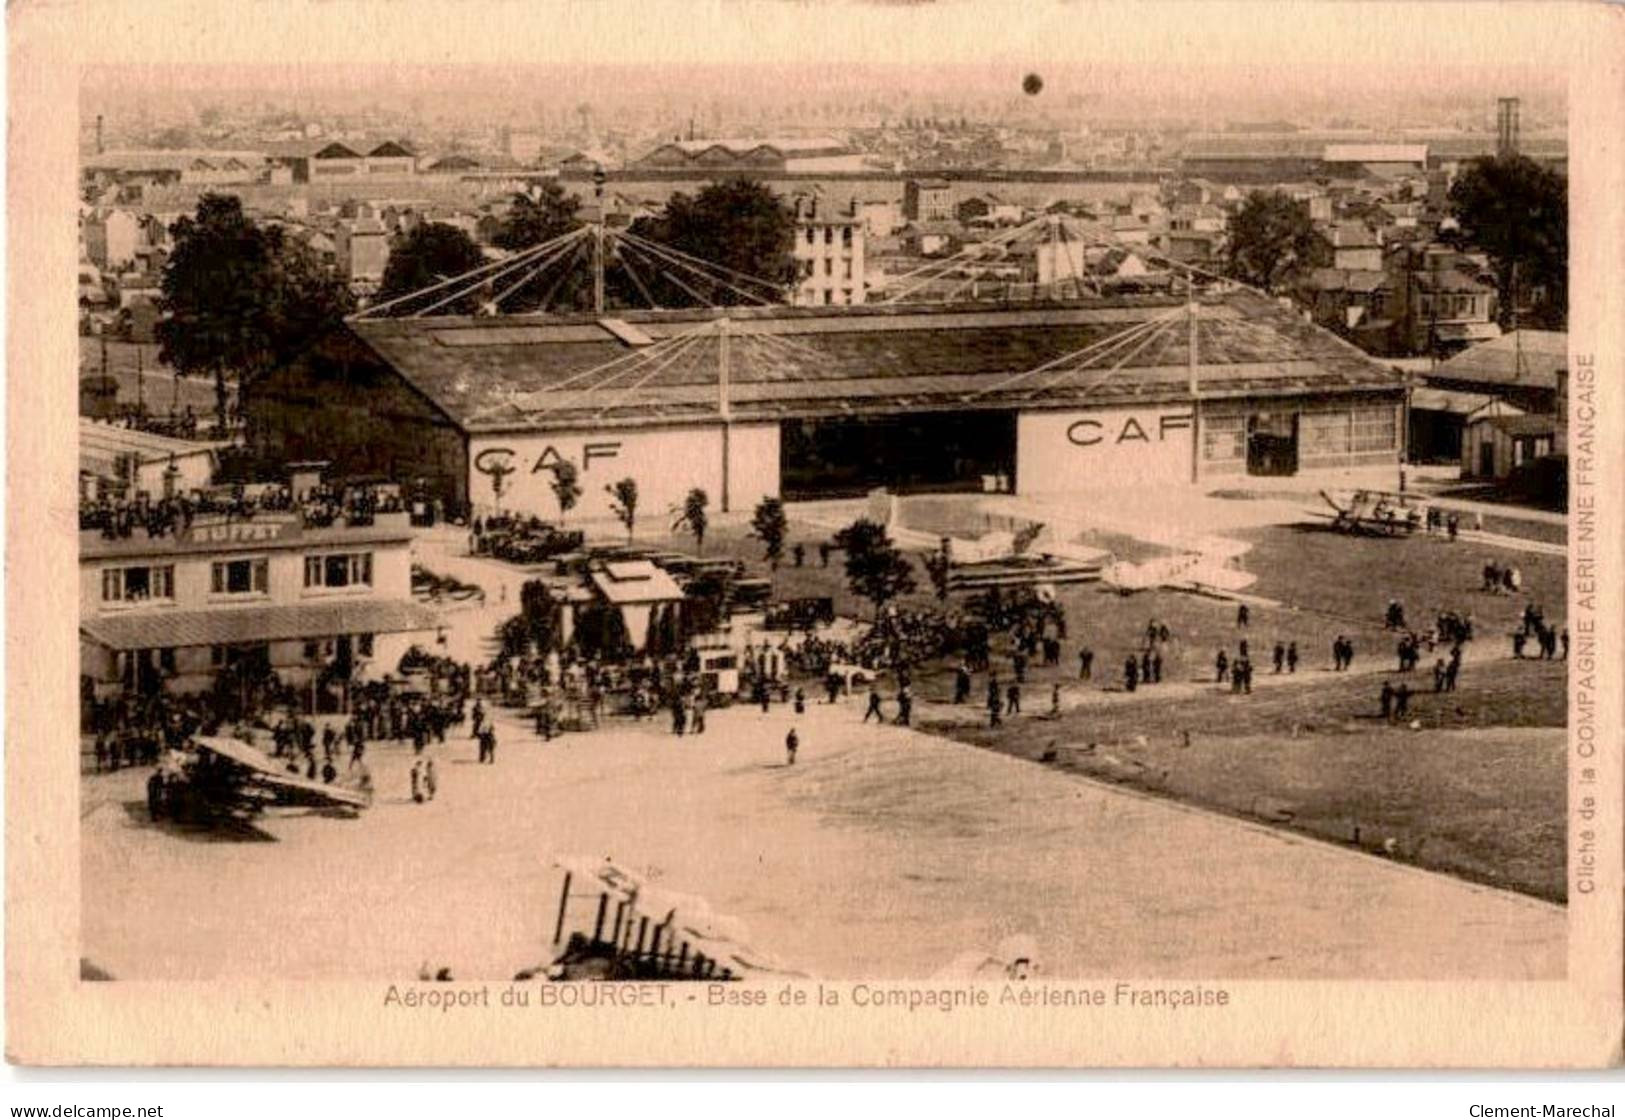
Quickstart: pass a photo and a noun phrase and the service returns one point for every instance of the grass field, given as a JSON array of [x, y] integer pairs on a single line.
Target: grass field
[[1478, 790]]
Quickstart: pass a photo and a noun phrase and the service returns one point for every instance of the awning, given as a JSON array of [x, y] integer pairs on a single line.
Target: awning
[[1458, 401], [1467, 332], [161, 629]]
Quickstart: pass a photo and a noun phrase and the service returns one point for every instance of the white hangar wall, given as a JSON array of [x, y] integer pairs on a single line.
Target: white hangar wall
[[666, 463], [1058, 452]]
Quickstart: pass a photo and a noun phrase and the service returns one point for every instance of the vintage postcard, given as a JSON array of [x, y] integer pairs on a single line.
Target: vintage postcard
[[853, 534]]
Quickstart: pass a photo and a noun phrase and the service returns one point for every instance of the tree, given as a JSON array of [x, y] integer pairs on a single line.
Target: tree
[[876, 569], [770, 526], [739, 225], [566, 487], [532, 219], [1517, 212], [1273, 244], [624, 498], [237, 298], [694, 517], [429, 254]]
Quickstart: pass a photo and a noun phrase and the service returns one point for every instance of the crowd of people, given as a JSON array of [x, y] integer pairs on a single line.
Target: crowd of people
[[321, 507]]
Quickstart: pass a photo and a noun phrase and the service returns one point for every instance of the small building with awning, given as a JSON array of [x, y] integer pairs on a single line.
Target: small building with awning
[[1496, 446], [1439, 418]]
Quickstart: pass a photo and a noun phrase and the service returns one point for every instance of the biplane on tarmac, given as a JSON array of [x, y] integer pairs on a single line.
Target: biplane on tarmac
[[213, 778], [1378, 512]]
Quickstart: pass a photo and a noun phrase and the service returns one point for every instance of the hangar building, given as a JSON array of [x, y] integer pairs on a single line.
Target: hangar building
[[809, 402]]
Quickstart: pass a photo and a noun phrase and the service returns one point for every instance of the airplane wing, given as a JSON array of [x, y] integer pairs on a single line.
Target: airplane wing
[[282, 787]]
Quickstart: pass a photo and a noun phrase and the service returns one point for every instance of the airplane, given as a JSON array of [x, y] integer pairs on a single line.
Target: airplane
[[1377, 511], [213, 777]]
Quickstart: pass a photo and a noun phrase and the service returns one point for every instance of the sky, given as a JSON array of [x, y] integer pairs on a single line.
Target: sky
[[1151, 56]]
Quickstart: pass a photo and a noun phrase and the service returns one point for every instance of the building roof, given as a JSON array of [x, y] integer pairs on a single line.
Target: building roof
[[1349, 280], [635, 581], [1459, 401], [1523, 358], [164, 629], [104, 442], [1523, 424], [539, 372]]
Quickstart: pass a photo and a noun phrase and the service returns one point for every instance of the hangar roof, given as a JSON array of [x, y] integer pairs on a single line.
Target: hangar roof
[[549, 372]]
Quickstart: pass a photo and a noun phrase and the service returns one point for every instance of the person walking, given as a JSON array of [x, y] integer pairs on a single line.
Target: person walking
[[1292, 657], [1280, 656], [1243, 617], [1012, 699], [430, 782], [905, 706], [1386, 701], [792, 741], [1086, 663], [961, 683], [1221, 668], [874, 708]]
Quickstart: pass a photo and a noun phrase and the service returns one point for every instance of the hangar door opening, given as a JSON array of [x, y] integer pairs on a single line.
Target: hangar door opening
[[1272, 443], [927, 452]]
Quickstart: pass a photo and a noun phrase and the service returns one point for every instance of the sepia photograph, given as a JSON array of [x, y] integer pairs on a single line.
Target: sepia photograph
[[886, 531]]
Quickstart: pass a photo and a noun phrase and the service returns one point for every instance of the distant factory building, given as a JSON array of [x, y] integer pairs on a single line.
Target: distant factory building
[[821, 153]]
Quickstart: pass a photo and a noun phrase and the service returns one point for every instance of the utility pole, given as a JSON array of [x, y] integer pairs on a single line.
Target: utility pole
[[724, 406], [598, 178], [1194, 316]]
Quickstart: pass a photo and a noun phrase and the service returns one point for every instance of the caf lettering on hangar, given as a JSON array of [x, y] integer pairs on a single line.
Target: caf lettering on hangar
[[1087, 433]]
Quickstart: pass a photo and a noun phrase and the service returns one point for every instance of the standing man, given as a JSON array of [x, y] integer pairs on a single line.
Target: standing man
[[1012, 699], [1086, 663], [905, 706], [961, 683], [1292, 657], [995, 701], [1280, 656], [874, 708], [791, 742], [1243, 616]]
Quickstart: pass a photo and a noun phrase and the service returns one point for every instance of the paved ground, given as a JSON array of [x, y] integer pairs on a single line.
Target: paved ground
[[885, 855]]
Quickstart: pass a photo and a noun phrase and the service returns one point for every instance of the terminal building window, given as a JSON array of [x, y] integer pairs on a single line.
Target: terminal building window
[[1376, 429], [138, 585], [339, 569], [240, 577], [1224, 438], [1325, 433]]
